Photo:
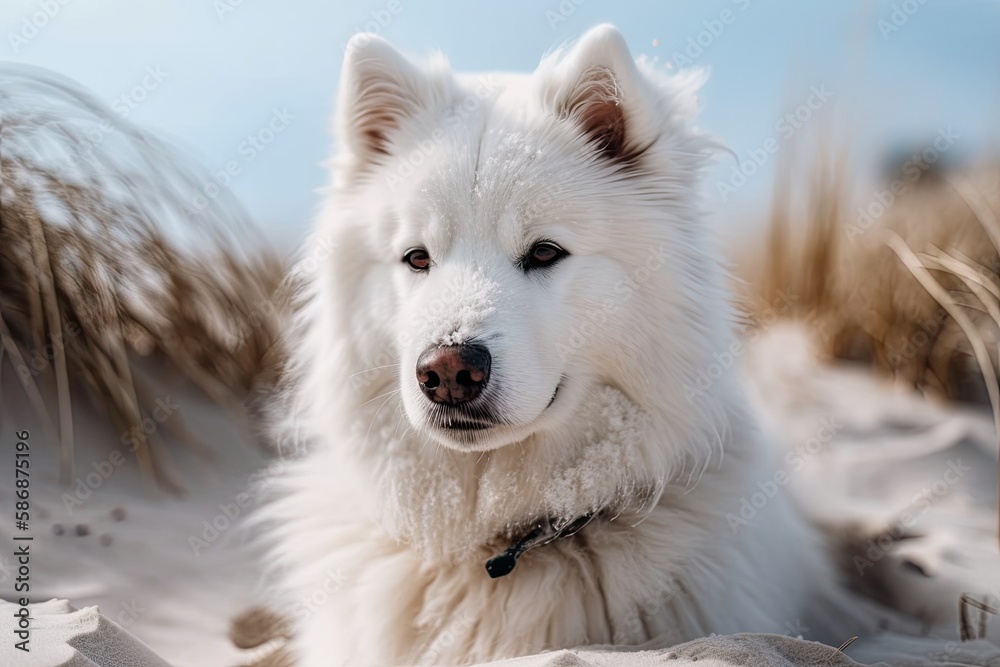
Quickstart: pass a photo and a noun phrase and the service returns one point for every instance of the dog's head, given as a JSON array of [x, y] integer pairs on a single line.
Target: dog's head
[[507, 246]]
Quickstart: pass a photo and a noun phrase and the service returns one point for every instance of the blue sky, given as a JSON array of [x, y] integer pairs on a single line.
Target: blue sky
[[213, 72]]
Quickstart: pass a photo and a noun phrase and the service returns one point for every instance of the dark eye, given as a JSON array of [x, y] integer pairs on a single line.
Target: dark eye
[[541, 255], [418, 259]]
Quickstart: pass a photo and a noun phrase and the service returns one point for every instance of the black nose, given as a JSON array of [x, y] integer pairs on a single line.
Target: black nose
[[453, 374]]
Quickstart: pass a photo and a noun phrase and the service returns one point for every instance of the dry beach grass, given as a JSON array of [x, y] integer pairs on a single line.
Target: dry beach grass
[[111, 275], [913, 291], [110, 272], [908, 285], [108, 262]]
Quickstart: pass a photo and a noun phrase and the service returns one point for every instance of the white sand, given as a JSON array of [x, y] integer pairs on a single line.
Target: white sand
[[148, 579], [885, 446]]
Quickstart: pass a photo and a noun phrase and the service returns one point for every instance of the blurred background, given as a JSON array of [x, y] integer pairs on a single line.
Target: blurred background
[[141, 312], [210, 73]]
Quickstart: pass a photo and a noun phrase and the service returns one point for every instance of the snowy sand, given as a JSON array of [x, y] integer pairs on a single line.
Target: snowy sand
[[173, 571]]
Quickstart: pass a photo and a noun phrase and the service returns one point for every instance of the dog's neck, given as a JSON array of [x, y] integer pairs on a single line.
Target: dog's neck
[[450, 504], [542, 532]]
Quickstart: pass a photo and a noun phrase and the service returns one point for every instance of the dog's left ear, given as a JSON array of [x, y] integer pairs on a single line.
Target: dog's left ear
[[598, 87], [380, 90]]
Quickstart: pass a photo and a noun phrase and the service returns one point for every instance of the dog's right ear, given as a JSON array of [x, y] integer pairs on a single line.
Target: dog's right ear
[[597, 86], [379, 90]]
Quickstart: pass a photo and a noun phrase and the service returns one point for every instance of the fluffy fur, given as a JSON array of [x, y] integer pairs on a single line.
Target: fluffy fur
[[384, 522]]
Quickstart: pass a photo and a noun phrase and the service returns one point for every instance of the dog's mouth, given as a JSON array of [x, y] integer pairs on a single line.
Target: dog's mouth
[[463, 425], [542, 532], [555, 393], [464, 418], [457, 419]]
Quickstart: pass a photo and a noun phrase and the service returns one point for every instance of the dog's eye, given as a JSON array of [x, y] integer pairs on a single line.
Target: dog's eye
[[541, 255], [418, 259]]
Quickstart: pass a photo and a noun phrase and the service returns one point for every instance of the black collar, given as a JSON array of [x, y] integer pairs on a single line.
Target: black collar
[[541, 533]]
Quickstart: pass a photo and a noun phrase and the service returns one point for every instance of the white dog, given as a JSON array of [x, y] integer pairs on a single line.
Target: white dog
[[493, 374]]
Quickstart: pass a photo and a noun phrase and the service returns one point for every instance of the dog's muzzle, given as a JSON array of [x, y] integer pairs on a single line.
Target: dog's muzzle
[[453, 374]]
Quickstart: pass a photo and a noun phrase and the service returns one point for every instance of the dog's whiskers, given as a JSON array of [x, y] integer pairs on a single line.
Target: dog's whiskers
[[375, 416], [376, 368], [388, 393], [570, 378], [401, 415]]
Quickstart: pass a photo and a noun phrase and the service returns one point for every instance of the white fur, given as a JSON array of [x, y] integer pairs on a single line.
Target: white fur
[[475, 169]]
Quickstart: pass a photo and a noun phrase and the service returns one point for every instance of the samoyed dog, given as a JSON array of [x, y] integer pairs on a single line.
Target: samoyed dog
[[493, 380]]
